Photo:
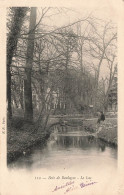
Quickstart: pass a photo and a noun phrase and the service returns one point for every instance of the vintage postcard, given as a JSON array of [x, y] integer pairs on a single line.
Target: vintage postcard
[[61, 97]]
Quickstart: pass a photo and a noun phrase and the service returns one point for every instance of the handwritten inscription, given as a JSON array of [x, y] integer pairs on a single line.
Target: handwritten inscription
[[70, 186], [82, 185], [63, 186]]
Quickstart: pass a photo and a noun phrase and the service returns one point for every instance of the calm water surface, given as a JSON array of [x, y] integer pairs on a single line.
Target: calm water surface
[[69, 150]]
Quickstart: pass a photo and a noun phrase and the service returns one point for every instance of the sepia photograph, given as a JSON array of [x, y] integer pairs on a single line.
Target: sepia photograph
[[61, 87], [61, 100]]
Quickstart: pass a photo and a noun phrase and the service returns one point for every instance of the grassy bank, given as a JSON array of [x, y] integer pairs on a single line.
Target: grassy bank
[[21, 138], [107, 131]]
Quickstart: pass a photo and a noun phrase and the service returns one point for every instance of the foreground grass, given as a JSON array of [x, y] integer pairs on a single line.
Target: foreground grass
[[21, 137]]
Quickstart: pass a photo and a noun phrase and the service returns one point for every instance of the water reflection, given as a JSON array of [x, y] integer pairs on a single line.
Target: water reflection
[[83, 142], [77, 141], [68, 150]]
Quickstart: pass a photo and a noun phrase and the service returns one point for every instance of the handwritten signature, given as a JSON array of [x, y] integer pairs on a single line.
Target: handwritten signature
[[82, 185], [63, 186], [70, 186]]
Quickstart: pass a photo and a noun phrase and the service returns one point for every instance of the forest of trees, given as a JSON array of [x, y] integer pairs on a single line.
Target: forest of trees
[[58, 70]]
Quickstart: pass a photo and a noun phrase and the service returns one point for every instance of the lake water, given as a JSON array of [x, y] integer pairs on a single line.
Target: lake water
[[71, 156], [69, 150]]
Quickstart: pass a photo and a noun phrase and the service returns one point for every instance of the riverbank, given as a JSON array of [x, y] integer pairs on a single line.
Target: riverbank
[[106, 131], [21, 138]]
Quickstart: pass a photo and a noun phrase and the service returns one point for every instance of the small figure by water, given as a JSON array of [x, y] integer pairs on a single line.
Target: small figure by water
[[101, 117]]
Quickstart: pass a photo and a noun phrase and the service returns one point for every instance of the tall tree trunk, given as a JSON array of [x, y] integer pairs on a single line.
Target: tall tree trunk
[[28, 69], [12, 40]]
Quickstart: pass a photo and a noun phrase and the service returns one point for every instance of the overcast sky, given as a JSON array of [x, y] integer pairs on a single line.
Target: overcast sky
[[72, 14]]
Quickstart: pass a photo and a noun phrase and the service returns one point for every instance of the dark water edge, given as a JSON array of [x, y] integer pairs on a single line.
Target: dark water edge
[[13, 156], [109, 143], [42, 143]]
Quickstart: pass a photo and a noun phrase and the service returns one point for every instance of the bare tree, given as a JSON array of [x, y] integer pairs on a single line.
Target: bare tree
[[28, 68], [99, 48]]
